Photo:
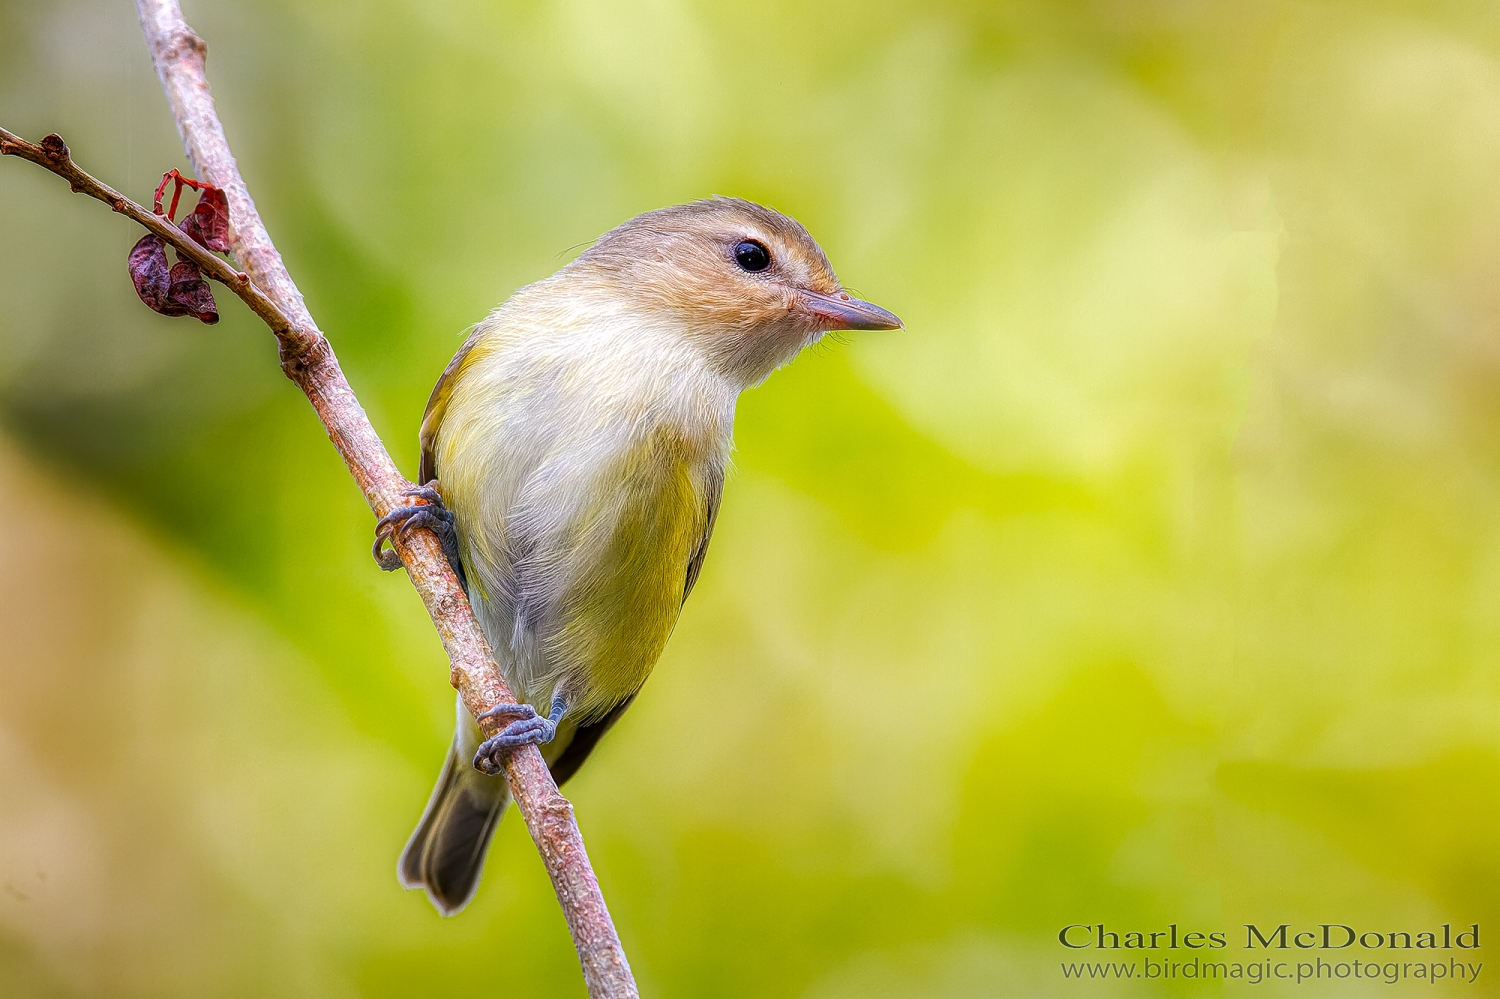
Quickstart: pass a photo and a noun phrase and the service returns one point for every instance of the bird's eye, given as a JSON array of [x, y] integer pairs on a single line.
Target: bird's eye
[[752, 256]]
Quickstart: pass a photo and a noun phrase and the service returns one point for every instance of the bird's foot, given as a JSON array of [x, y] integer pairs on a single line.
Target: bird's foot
[[429, 513], [529, 728]]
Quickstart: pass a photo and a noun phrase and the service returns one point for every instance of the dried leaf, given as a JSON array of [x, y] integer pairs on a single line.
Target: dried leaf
[[149, 271], [181, 290], [189, 294], [208, 223]]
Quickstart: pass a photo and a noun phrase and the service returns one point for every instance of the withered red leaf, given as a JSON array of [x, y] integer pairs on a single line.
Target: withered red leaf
[[149, 270], [180, 290], [208, 223], [189, 294]]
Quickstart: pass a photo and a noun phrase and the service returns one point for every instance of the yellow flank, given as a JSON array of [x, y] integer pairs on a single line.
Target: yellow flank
[[622, 607]]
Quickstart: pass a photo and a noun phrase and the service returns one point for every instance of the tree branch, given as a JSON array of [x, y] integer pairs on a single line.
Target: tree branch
[[306, 357]]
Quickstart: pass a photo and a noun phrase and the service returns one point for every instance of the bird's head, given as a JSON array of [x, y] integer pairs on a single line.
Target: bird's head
[[745, 285]]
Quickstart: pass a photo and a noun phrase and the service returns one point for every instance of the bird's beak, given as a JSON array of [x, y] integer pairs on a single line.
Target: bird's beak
[[840, 312]]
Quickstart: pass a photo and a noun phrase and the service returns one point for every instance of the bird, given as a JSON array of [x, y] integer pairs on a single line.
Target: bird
[[573, 456]]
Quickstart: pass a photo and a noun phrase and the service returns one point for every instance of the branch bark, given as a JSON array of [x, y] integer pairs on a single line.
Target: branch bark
[[308, 359]]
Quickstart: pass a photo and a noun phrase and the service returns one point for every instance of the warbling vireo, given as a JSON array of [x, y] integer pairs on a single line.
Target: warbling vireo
[[578, 441]]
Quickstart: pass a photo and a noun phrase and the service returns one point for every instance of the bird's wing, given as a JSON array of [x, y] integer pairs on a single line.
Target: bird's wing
[[584, 740], [586, 737], [714, 489], [437, 405]]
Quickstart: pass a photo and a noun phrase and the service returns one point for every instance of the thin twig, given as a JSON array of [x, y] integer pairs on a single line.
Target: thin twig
[[52, 153], [306, 357]]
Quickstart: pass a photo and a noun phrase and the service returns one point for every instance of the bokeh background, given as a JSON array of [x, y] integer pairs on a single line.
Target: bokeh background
[[1151, 576]]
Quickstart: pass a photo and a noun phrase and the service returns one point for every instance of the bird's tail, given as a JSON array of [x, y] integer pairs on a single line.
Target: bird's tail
[[445, 854]]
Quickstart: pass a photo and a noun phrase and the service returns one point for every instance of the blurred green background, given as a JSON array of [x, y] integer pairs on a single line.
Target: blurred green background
[[1151, 576]]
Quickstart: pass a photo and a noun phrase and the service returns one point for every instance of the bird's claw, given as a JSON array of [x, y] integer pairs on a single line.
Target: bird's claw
[[529, 728], [429, 513]]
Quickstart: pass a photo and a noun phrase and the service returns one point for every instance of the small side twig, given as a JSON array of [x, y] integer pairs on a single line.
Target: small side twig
[[306, 357], [52, 153]]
